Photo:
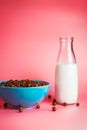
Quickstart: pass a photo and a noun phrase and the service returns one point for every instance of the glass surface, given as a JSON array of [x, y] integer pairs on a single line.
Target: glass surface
[[66, 52]]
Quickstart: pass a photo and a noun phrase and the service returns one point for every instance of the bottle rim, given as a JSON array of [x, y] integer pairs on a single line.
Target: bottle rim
[[66, 39]]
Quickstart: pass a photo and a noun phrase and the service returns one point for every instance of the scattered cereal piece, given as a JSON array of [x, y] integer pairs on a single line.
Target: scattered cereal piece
[[53, 108], [54, 103], [20, 109], [49, 96], [54, 100], [77, 104], [38, 106], [5, 105], [64, 104]]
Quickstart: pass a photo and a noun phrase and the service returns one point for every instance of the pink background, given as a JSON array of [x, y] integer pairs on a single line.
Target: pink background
[[29, 43]]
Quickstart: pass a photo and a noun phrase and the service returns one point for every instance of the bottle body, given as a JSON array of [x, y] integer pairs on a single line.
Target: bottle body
[[66, 76]]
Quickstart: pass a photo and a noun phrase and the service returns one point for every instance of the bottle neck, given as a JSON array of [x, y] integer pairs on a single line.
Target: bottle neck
[[66, 43], [66, 52]]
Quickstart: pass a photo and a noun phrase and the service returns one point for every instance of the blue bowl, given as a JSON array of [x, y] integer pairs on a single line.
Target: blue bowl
[[24, 96]]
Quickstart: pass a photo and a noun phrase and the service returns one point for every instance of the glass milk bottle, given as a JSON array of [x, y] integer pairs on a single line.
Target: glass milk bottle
[[66, 75]]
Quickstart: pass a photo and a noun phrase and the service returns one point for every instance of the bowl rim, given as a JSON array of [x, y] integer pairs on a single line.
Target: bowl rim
[[25, 87]]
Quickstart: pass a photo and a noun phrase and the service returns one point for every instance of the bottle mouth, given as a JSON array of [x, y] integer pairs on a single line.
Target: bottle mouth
[[66, 39]]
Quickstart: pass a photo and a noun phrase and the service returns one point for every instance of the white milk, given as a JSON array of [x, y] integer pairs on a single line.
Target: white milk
[[66, 81]]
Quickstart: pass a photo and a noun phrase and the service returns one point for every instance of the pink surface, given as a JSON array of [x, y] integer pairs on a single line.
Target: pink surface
[[29, 32], [65, 118]]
